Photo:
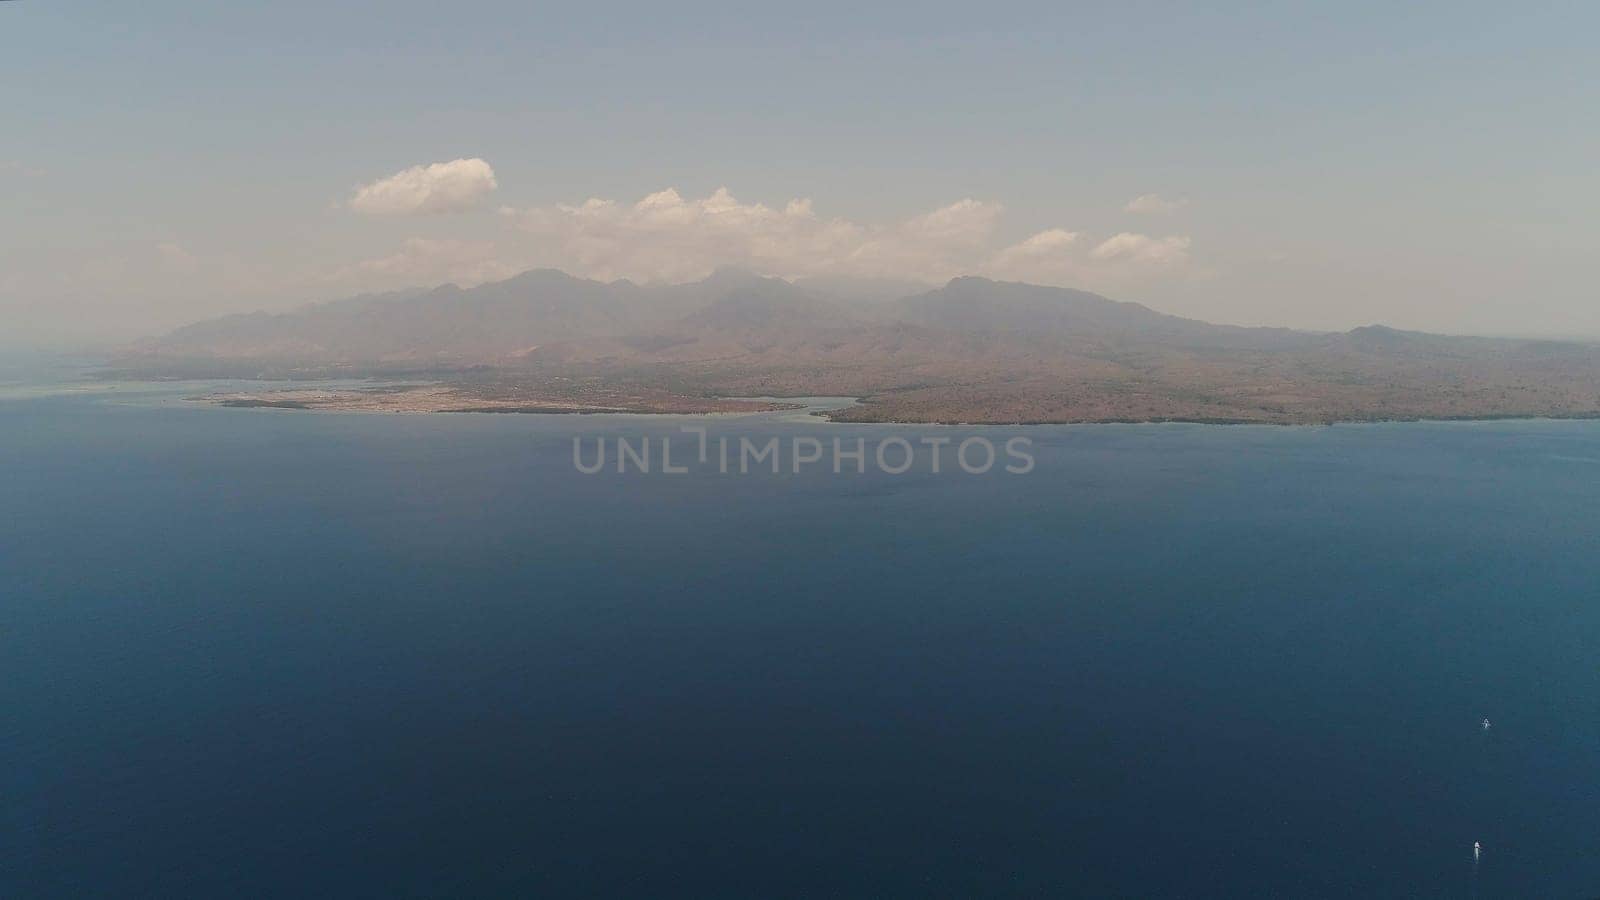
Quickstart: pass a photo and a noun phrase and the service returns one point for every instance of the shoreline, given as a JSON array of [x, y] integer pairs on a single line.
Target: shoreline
[[439, 399]]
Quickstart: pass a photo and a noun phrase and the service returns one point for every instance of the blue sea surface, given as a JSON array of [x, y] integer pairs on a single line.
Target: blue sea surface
[[255, 652]]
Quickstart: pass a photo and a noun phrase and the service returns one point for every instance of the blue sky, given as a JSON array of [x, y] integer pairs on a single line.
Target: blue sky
[[1431, 166]]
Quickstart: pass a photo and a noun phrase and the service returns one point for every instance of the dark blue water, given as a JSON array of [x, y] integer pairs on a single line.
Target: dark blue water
[[268, 653]]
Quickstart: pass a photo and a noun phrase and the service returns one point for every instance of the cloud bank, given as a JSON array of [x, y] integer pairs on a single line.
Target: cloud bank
[[666, 236], [1137, 248], [454, 186]]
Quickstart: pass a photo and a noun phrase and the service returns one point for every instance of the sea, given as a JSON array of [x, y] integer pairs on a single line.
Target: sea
[[283, 653]]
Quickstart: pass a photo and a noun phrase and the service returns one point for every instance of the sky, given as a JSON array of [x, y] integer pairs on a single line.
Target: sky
[[1428, 166]]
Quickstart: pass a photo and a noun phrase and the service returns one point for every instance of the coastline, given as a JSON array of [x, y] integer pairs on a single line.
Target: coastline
[[445, 399]]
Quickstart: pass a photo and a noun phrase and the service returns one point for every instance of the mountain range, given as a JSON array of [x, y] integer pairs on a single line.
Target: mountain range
[[972, 350]]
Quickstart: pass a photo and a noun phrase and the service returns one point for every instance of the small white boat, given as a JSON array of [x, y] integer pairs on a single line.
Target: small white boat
[[1477, 850], [1485, 724]]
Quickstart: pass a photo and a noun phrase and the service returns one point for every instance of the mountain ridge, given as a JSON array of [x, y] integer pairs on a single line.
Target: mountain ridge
[[973, 349]]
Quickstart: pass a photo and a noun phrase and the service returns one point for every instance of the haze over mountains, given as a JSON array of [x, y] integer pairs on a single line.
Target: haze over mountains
[[973, 350]]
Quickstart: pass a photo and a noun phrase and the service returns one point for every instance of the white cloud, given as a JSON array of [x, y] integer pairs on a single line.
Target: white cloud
[[452, 186], [666, 236], [669, 237], [1058, 257], [1127, 247], [1153, 204], [1049, 257], [1044, 245]]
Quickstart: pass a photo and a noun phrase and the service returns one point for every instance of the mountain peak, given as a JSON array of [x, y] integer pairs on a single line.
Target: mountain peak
[[542, 276]]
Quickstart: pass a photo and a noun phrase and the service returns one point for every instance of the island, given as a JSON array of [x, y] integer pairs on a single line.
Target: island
[[973, 351]]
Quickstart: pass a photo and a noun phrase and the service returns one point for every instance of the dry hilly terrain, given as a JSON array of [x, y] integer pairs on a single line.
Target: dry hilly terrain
[[974, 351]]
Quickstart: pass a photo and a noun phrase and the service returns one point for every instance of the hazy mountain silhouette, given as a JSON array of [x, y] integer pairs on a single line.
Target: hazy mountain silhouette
[[971, 350]]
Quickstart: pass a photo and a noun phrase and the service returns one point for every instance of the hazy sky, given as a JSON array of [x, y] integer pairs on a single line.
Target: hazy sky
[[1321, 165]]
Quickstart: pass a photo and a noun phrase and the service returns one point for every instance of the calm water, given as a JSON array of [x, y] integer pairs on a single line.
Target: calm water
[[270, 653]]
